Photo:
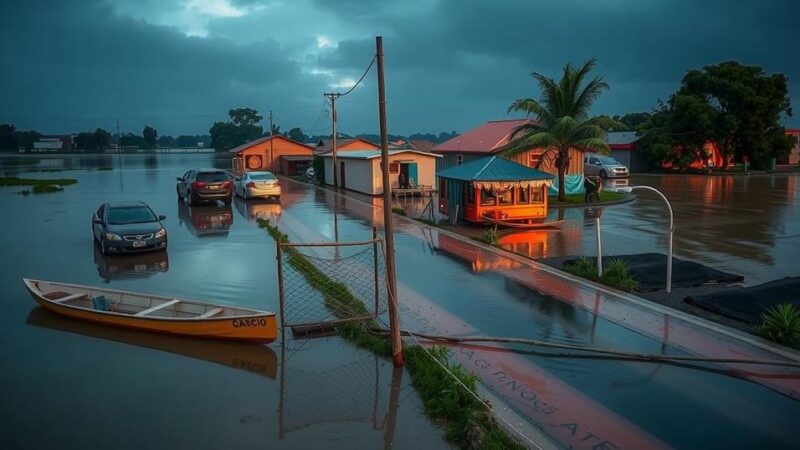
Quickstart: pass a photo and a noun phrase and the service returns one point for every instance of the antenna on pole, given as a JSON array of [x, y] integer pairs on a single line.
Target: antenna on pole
[[332, 96]]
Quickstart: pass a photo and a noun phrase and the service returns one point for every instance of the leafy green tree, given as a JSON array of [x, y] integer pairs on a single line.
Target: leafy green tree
[[631, 121], [166, 141], [132, 140], [744, 109], [150, 135], [240, 129], [8, 140], [297, 135], [83, 140], [100, 140], [562, 119]]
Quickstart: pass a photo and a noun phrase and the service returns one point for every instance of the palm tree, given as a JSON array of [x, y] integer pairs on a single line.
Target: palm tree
[[562, 119]]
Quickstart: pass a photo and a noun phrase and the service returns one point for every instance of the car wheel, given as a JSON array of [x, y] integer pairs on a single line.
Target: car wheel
[[603, 174]]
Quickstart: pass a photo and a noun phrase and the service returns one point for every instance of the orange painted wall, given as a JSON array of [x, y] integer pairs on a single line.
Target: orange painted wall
[[279, 146], [357, 145], [475, 212]]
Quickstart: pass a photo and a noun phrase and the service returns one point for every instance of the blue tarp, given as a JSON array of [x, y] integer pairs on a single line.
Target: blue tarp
[[573, 184]]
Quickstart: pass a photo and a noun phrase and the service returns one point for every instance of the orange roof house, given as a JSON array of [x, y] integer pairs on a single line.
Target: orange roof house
[[326, 145], [275, 154], [490, 138]]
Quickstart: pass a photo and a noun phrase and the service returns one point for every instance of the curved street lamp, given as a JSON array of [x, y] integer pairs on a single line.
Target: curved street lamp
[[628, 189]]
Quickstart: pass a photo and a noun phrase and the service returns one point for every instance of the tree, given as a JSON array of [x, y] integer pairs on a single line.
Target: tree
[[240, 129], [8, 139], [83, 140], [297, 135], [100, 139], [743, 108], [562, 119], [166, 141], [149, 134], [132, 140]]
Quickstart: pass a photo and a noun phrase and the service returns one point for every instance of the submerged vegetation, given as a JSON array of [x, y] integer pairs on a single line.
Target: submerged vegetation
[[400, 211], [438, 381], [781, 324], [15, 181], [578, 199], [46, 188], [617, 274]]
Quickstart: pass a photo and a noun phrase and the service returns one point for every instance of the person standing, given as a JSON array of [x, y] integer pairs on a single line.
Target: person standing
[[401, 180], [590, 189]]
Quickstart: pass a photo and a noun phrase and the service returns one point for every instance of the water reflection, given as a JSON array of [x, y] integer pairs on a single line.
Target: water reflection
[[258, 359], [212, 220], [254, 209], [115, 267]]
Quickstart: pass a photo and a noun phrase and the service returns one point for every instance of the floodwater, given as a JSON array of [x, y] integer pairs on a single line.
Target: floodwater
[[66, 377], [72, 385], [747, 225]]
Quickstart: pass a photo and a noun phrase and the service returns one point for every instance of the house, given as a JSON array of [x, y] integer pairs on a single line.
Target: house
[[273, 153], [623, 149], [490, 138], [360, 170], [326, 145], [58, 143], [495, 187], [794, 154]]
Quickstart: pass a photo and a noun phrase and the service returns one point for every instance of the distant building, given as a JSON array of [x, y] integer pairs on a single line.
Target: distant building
[[623, 149], [273, 154], [51, 144], [360, 170], [794, 155], [326, 145]]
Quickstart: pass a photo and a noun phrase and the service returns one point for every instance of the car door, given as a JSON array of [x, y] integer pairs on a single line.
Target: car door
[[240, 183], [187, 180], [97, 228], [592, 168]]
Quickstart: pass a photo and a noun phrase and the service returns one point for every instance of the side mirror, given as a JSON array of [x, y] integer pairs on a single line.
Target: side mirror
[[180, 179], [162, 217], [599, 163]]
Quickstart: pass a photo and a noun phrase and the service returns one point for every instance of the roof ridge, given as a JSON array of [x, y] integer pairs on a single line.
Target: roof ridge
[[491, 160]]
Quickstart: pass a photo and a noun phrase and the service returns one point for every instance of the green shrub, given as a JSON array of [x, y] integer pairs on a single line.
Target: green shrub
[[583, 267], [781, 324], [618, 275], [46, 188], [16, 181], [400, 211], [491, 236]]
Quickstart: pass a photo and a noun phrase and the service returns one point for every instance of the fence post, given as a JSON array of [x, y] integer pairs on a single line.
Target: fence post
[[279, 257], [375, 267]]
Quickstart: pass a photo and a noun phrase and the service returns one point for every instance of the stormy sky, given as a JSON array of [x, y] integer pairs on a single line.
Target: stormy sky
[[180, 65]]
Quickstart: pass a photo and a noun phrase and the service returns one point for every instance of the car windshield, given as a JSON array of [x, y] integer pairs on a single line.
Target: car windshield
[[262, 176], [212, 177], [133, 214], [607, 160]]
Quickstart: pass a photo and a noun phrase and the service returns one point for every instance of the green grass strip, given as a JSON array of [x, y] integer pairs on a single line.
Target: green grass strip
[[46, 188], [15, 181], [579, 199], [468, 424]]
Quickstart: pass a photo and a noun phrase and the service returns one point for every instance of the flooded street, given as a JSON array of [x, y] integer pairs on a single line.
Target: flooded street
[[159, 391]]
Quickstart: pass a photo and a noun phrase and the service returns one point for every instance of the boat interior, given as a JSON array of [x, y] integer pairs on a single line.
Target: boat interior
[[138, 305]]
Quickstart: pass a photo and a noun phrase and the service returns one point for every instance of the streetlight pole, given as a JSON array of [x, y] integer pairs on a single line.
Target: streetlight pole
[[671, 228]]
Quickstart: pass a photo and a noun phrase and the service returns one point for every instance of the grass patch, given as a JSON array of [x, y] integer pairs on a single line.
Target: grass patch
[[400, 211], [578, 199], [105, 168], [468, 424], [46, 188], [617, 274], [491, 236], [19, 161], [781, 324], [15, 181]]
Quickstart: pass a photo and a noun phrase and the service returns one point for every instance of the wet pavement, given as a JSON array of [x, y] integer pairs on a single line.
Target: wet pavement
[[69, 380]]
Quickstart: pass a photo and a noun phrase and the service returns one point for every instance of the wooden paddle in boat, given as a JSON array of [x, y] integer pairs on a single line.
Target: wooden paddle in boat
[[154, 313]]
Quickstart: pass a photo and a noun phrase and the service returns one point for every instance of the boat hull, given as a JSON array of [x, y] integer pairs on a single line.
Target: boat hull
[[261, 328]]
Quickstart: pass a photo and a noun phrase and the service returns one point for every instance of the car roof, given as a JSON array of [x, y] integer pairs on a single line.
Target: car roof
[[261, 172], [115, 205], [212, 170]]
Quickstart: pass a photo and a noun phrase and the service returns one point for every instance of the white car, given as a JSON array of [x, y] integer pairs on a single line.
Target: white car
[[257, 184]]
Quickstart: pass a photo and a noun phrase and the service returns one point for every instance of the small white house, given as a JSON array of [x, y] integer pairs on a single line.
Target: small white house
[[360, 170]]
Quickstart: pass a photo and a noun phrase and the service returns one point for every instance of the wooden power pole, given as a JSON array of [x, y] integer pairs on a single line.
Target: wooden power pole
[[333, 96], [271, 136], [388, 227]]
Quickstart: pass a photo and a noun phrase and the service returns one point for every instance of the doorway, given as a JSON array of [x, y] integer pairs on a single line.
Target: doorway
[[410, 174]]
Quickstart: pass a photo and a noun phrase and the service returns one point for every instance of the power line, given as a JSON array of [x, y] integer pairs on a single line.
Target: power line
[[362, 77]]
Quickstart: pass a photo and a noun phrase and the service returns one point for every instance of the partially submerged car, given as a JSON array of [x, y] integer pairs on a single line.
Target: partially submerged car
[[257, 184], [128, 227], [205, 185]]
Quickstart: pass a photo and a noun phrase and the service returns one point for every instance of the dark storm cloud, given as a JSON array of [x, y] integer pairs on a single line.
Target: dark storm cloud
[[451, 64]]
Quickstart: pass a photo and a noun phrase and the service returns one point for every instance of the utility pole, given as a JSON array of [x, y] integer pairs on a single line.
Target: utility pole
[[388, 227], [333, 96], [271, 136], [119, 157]]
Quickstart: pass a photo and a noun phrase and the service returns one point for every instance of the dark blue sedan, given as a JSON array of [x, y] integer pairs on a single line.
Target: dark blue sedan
[[128, 227]]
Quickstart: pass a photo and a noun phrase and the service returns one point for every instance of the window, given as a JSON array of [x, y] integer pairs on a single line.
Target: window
[[394, 167], [459, 159], [523, 196], [470, 194], [537, 194], [506, 197], [534, 158], [487, 198]]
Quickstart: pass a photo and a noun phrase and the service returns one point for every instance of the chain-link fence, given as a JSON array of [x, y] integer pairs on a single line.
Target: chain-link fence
[[329, 283]]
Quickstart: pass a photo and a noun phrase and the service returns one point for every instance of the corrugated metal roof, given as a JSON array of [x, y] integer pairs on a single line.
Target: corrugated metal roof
[[369, 154], [493, 168], [487, 138], [622, 137], [265, 139], [326, 145]]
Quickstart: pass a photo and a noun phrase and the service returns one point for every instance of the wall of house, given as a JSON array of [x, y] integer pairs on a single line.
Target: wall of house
[[449, 160], [358, 174], [279, 147], [426, 170]]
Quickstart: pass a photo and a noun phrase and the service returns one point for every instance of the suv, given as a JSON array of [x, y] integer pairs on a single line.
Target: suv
[[603, 166], [205, 185]]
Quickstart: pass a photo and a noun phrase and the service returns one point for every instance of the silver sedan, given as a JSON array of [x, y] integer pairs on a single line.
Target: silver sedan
[[257, 184]]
